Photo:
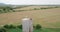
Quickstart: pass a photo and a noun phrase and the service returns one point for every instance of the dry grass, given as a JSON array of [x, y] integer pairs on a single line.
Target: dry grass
[[49, 18]]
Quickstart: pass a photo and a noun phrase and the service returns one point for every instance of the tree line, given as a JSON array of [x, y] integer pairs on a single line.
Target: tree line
[[6, 27], [6, 9]]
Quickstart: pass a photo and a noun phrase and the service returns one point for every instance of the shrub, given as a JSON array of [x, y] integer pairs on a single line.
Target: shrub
[[43, 8], [38, 26], [19, 26], [9, 26], [35, 8], [13, 10], [56, 7], [0, 11], [4, 10], [2, 30], [33, 27]]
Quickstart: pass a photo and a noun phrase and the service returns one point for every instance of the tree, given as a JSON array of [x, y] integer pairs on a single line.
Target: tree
[[8, 9], [9, 26], [35, 8], [19, 26], [0, 11], [4, 10], [2, 30], [34, 27], [38, 26], [13, 10]]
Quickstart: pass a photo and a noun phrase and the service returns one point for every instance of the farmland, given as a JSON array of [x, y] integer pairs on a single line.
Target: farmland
[[47, 18]]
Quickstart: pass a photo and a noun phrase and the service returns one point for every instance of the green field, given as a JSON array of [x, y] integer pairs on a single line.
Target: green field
[[40, 30]]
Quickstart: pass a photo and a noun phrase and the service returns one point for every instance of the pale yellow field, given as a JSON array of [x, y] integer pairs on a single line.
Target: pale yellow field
[[49, 18]]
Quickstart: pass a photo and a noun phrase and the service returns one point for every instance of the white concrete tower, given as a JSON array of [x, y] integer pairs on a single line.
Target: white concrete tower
[[27, 24]]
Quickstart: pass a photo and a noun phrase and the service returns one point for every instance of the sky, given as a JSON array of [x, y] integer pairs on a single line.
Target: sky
[[31, 2]]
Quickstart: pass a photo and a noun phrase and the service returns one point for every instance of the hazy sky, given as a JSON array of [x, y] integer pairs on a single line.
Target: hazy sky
[[29, 2]]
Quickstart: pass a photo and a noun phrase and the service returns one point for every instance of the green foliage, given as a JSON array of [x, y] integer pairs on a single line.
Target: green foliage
[[13, 10], [9, 26], [19, 26], [2, 30], [14, 30], [0, 11], [36, 9], [43, 8], [6, 9], [56, 7], [34, 27], [38, 26], [38, 29]]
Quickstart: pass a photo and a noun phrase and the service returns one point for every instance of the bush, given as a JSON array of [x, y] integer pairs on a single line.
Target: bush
[[38, 26], [33, 27], [19, 26], [0, 11], [9, 26], [2, 30], [56, 7], [43, 8], [36, 9], [13, 10], [4, 10]]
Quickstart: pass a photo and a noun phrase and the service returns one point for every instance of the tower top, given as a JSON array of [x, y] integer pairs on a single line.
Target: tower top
[[27, 18]]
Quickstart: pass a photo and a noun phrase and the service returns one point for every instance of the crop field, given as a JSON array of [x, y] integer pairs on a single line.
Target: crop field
[[49, 19]]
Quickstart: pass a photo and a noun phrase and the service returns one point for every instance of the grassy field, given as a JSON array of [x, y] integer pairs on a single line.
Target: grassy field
[[43, 30], [49, 19]]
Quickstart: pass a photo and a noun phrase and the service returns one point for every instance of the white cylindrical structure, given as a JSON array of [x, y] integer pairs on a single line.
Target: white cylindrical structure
[[27, 25]]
